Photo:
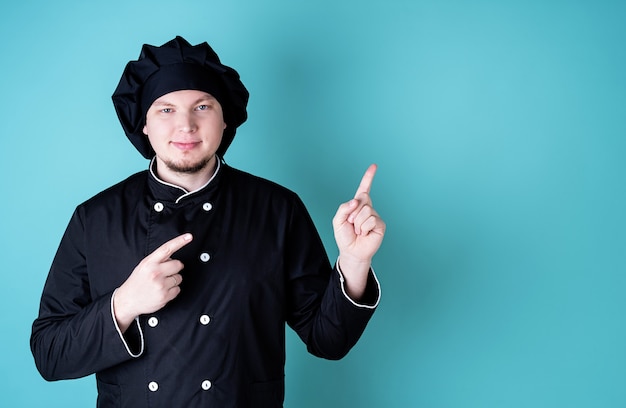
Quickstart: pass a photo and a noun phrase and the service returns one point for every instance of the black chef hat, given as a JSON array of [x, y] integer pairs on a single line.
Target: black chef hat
[[175, 66]]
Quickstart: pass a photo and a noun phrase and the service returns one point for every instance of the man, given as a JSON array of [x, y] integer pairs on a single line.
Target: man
[[174, 285]]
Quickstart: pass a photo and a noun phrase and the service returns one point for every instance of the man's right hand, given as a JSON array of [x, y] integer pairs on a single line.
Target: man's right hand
[[152, 284]]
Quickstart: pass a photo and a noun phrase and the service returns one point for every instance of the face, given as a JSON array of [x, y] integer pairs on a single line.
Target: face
[[185, 129]]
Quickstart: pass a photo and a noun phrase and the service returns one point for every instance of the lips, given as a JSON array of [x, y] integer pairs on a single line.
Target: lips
[[185, 145]]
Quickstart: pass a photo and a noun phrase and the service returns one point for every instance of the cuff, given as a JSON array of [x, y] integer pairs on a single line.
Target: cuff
[[371, 296], [133, 338]]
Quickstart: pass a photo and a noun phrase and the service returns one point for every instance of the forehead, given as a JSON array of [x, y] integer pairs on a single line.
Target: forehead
[[186, 96]]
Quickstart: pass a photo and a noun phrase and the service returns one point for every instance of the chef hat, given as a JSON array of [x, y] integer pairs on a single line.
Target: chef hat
[[175, 66]]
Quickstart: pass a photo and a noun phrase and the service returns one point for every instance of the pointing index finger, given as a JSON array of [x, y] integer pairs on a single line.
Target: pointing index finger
[[366, 181], [163, 252]]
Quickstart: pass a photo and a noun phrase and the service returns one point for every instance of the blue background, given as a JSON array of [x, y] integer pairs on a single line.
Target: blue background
[[499, 129]]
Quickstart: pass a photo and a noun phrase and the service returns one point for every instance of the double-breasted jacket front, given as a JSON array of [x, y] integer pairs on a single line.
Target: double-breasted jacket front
[[256, 262]]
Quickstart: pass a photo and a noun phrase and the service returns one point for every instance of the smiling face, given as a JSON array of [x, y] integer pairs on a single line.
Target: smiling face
[[184, 129]]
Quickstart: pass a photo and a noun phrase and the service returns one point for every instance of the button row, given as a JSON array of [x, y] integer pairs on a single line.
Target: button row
[[154, 386], [158, 207], [204, 320]]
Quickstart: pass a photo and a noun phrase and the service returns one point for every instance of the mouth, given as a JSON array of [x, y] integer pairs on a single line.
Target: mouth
[[185, 145]]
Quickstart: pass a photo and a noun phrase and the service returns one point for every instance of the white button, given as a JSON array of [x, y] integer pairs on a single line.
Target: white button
[[205, 319], [204, 257], [153, 321], [158, 207], [207, 206], [206, 384], [153, 386]]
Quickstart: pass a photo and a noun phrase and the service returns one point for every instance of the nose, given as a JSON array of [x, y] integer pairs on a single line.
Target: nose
[[186, 123]]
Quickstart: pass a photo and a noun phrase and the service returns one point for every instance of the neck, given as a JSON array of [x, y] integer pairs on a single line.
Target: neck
[[190, 181]]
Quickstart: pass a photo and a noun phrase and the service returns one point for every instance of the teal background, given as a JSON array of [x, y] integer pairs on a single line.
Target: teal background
[[498, 128]]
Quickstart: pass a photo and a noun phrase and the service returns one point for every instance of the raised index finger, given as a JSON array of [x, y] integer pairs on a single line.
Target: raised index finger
[[163, 253], [366, 181]]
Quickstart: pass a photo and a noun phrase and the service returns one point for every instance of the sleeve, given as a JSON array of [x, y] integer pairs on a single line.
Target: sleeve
[[371, 297], [74, 334], [323, 316]]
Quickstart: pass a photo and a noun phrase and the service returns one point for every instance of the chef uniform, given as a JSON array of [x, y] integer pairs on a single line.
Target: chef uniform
[[256, 262]]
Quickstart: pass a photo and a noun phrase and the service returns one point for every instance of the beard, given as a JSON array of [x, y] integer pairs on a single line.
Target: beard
[[188, 168]]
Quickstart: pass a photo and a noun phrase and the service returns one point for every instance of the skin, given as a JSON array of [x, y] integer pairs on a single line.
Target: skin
[[359, 232], [185, 130]]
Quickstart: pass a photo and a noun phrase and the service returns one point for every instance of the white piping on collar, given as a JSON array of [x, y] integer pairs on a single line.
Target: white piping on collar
[[186, 193]]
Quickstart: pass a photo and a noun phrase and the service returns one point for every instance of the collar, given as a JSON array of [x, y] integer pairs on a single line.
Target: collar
[[163, 190]]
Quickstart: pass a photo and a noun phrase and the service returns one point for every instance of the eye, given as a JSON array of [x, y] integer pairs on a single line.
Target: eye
[[202, 107], [166, 110]]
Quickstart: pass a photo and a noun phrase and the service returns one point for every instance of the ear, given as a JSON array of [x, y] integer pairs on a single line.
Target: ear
[[145, 131]]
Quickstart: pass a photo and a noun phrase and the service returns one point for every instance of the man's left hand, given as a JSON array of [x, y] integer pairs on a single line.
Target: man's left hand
[[359, 232]]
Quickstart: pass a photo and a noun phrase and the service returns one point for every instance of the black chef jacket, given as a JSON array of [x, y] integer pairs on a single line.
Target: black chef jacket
[[256, 262]]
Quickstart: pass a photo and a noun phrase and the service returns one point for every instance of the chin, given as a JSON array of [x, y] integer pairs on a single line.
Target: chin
[[189, 167]]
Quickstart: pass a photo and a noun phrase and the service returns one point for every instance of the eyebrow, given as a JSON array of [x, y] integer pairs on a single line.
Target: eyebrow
[[162, 103], [205, 98]]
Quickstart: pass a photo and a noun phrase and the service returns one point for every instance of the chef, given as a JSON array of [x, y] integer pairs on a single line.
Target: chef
[[174, 285]]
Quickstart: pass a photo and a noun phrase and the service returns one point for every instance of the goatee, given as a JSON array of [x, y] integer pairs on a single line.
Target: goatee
[[188, 168]]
